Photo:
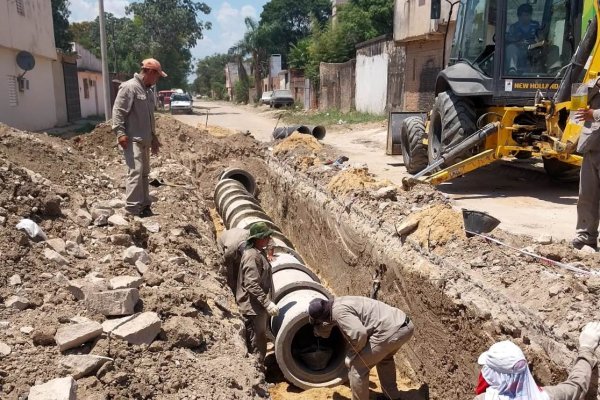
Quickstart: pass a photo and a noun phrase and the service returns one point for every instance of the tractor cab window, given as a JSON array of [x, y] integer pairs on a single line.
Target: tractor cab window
[[538, 39], [474, 40]]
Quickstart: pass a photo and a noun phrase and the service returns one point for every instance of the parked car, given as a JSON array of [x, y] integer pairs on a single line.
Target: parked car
[[181, 102], [164, 97], [266, 98], [281, 98]]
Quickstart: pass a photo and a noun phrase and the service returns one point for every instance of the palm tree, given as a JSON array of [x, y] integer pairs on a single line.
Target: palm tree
[[252, 43]]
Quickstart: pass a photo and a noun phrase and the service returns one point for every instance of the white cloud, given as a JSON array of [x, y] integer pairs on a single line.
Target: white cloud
[[87, 10]]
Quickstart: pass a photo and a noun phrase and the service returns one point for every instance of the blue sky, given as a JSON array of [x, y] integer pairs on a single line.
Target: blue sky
[[227, 18]]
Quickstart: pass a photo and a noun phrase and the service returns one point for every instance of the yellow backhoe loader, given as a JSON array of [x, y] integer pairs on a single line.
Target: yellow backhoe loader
[[509, 89]]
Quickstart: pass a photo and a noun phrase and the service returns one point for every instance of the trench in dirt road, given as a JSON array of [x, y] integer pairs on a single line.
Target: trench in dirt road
[[518, 192]]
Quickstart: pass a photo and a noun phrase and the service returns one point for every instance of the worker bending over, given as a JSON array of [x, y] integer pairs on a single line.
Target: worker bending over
[[232, 243], [374, 330], [255, 288], [505, 374]]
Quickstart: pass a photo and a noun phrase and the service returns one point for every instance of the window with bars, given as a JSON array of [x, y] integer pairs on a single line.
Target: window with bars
[[20, 7], [13, 99], [86, 88]]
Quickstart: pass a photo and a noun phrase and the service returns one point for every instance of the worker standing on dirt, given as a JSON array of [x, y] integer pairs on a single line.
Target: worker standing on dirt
[[375, 332], [255, 288], [505, 373], [588, 204], [133, 123], [232, 243]]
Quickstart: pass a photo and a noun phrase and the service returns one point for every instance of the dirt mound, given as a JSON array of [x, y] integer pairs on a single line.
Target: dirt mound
[[297, 141], [216, 131], [437, 226], [354, 179]]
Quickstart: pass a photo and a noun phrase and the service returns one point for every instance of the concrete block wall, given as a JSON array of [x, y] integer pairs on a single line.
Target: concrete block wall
[[337, 86]]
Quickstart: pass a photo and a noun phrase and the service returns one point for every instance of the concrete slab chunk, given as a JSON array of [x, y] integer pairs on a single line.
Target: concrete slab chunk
[[125, 282], [58, 245], [113, 302], [53, 256], [56, 389], [17, 302], [80, 366], [71, 336], [117, 220], [5, 349], [111, 324], [14, 280], [133, 254], [140, 330]]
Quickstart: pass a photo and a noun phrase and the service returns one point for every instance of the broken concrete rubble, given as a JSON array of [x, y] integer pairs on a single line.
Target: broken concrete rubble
[[53, 256], [74, 335], [83, 218], [140, 330], [113, 302], [58, 245], [125, 282], [5, 349], [111, 324], [14, 280], [17, 302], [117, 220], [133, 254], [56, 389], [80, 366]]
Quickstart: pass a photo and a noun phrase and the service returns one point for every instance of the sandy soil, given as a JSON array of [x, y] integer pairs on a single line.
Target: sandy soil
[[517, 193]]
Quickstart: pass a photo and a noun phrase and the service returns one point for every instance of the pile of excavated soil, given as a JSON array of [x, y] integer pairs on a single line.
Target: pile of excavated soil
[[214, 130], [63, 186], [354, 179], [437, 226], [297, 142]]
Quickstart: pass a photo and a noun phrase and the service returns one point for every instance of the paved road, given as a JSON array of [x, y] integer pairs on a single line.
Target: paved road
[[517, 193]]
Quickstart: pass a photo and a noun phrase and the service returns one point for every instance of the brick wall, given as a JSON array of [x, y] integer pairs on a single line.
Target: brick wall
[[423, 63], [337, 86]]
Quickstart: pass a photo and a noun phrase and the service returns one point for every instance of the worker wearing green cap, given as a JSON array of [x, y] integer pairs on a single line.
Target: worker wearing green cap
[[255, 288]]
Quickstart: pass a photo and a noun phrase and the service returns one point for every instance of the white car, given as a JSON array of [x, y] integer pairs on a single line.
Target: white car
[[181, 103], [266, 98]]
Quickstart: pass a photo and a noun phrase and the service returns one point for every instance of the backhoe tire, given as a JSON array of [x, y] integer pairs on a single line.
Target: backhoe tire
[[414, 152], [453, 118], [561, 171]]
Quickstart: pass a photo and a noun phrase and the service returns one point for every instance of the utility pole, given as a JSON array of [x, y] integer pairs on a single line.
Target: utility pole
[[105, 76]]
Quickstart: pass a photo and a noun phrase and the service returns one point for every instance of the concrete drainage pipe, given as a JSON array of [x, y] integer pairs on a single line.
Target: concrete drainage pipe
[[305, 360]]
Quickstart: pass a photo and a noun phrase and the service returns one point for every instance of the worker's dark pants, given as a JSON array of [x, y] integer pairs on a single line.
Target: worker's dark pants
[[381, 356], [588, 205], [256, 334]]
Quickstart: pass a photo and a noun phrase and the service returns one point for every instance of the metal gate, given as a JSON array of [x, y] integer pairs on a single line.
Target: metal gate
[[72, 91]]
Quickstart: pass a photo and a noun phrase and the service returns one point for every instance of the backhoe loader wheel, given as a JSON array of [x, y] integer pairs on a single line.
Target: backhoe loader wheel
[[561, 171], [453, 118], [414, 152]]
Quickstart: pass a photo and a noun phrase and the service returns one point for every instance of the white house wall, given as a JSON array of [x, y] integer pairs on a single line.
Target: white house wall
[[371, 83], [35, 108], [94, 104]]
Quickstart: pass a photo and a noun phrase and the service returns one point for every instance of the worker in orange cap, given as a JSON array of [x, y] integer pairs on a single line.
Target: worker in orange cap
[[133, 123]]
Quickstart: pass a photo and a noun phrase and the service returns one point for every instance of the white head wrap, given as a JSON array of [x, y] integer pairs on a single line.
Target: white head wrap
[[505, 369]]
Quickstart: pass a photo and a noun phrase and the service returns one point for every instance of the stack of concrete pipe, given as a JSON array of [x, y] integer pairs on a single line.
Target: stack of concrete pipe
[[306, 361]]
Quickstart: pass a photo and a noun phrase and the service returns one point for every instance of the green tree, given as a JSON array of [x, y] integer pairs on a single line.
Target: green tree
[[285, 22], [210, 76], [356, 22], [60, 19], [170, 29], [124, 41]]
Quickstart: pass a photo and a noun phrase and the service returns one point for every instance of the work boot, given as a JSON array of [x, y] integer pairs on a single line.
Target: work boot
[[146, 212], [578, 244]]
